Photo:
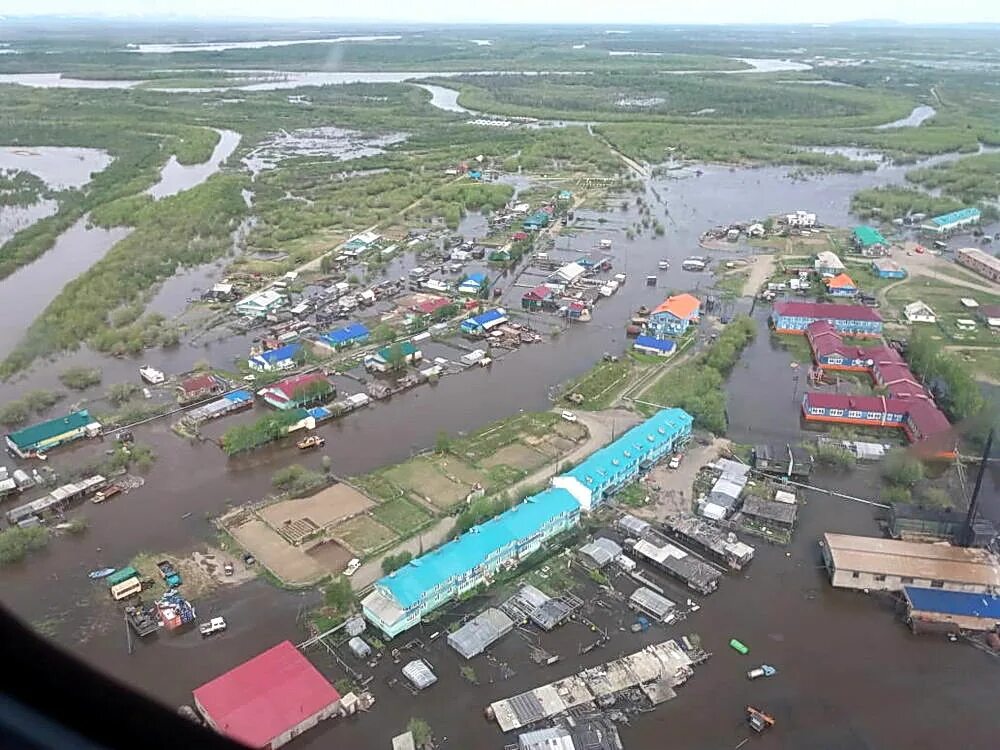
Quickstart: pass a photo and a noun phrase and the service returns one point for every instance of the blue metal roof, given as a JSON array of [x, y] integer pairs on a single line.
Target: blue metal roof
[[960, 215], [277, 355], [953, 602], [478, 277], [663, 345], [239, 396], [347, 333], [632, 447], [487, 317], [460, 556]]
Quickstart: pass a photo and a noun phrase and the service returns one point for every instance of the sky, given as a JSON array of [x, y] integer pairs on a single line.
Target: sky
[[529, 11]]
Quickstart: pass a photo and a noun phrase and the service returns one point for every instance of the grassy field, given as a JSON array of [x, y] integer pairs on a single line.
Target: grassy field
[[425, 477], [363, 534], [600, 385], [401, 515]]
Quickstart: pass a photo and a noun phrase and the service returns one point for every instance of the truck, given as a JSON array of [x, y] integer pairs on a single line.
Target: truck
[[170, 575], [213, 626]]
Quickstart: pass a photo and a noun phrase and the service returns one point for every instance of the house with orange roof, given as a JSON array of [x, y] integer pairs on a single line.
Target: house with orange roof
[[841, 285], [673, 316]]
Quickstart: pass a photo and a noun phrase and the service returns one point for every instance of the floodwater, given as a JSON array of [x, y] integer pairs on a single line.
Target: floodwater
[[28, 291], [329, 141], [176, 177], [15, 218], [850, 675], [916, 118], [444, 98], [59, 167], [164, 49]]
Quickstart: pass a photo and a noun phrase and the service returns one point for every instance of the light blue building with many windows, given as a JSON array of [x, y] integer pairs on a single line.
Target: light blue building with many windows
[[400, 599], [612, 467]]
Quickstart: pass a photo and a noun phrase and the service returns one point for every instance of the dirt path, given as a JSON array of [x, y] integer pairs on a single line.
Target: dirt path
[[674, 494], [761, 269]]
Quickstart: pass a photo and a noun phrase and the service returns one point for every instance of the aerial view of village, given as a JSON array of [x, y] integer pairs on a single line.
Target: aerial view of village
[[528, 387]]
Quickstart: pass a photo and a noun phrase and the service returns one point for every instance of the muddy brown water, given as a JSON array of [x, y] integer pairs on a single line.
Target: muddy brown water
[[850, 675]]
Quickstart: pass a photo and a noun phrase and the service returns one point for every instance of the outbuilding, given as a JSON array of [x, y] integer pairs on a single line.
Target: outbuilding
[[887, 268], [269, 700], [953, 610], [919, 312], [282, 358], [651, 345]]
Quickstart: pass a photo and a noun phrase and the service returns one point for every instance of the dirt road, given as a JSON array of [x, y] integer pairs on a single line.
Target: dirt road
[[674, 495]]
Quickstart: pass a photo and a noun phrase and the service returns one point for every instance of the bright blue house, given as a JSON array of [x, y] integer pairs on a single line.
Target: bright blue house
[[479, 325], [673, 316], [650, 345], [282, 358], [354, 333], [473, 284]]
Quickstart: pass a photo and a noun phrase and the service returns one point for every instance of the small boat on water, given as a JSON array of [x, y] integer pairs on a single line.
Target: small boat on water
[[100, 573], [151, 375], [764, 670], [663, 265], [312, 441]]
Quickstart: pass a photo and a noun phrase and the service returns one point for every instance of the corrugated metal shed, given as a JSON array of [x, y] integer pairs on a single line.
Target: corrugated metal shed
[[651, 603], [953, 602], [553, 738], [632, 525], [600, 552], [419, 673], [359, 647], [479, 633]]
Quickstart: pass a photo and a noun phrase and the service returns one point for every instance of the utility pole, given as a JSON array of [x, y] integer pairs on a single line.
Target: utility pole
[[970, 519]]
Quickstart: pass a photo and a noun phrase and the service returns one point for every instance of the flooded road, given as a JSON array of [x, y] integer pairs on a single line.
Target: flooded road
[[850, 676], [29, 290], [176, 177]]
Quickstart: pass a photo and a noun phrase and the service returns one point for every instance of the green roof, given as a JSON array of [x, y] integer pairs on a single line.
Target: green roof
[[407, 348], [38, 433], [867, 236]]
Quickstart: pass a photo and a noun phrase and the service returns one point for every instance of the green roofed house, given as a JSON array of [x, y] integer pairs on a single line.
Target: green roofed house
[[44, 436], [869, 241], [387, 357]]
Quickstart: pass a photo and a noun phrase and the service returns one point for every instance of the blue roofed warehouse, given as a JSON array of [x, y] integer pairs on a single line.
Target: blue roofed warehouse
[[960, 610]]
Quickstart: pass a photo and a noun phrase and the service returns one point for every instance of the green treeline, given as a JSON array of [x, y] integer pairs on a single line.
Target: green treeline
[[245, 437], [698, 386]]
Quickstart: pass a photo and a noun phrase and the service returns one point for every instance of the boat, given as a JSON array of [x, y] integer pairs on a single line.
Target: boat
[[312, 441], [100, 573], [764, 670], [663, 265], [758, 720], [105, 494], [151, 375]]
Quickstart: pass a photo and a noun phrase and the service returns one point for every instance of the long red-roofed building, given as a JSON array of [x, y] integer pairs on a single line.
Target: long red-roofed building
[[906, 405], [269, 700]]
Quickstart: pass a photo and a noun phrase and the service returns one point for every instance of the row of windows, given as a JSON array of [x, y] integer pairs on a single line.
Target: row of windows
[[905, 580]]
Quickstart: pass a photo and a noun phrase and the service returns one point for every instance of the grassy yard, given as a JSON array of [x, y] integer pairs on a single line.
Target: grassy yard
[[480, 445], [730, 284], [600, 385], [363, 534], [401, 515], [985, 363]]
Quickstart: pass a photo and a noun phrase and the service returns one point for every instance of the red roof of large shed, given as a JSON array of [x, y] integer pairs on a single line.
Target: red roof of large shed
[[266, 696]]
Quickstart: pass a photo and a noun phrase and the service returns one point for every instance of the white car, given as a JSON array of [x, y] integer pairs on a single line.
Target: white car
[[213, 626], [352, 567], [568, 416]]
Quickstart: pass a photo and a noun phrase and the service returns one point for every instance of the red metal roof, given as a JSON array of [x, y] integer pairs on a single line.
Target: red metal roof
[[199, 382], [847, 401], [265, 697], [289, 386], [539, 292], [428, 306], [928, 419], [826, 311]]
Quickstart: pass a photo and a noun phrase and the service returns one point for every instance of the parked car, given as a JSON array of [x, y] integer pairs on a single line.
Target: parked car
[[675, 461], [228, 569], [568, 416], [352, 567], [213, 626]]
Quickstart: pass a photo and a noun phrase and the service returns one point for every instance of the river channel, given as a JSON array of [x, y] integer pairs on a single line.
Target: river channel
[[851, 676]]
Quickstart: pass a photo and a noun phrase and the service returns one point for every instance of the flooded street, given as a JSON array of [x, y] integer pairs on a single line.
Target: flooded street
[[850, 675]]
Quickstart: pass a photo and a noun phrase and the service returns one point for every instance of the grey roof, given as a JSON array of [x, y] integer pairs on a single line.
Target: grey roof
[[527, 708], [770, 510], [553, 738], [734, 471], [550, 614], [725, 492], [695, 572], [404, 742], [419, 673], [601, 551], [632, 525], [476, 635], [359, 647], [650, 602]]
